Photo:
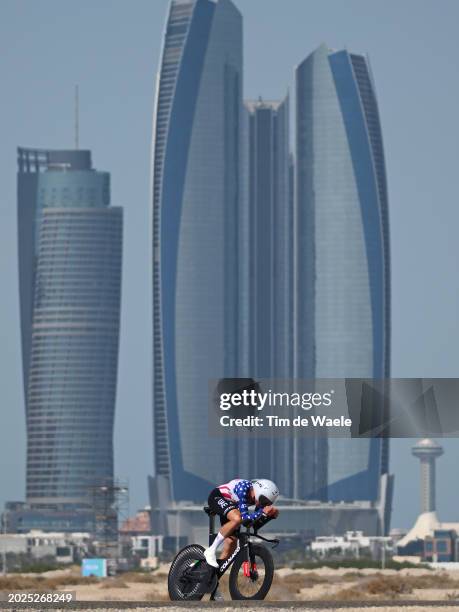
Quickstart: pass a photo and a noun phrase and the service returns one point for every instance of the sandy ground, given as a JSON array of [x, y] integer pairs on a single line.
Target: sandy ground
[[288, 585], [322, 586], [272, 609]]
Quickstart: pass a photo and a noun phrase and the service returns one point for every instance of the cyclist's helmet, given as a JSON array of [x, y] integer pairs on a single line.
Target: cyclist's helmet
[[266, 492]]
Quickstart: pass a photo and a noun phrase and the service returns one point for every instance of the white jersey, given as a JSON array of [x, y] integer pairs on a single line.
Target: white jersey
[[228, 490]]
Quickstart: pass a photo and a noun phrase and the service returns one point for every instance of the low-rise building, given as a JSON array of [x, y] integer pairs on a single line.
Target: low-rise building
[[423, 531], [186, 523], [352, 543], [442, 546], [63, 547], [20, 517]]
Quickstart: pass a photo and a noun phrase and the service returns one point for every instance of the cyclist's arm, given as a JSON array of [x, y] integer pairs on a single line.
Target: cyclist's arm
[[242, 489]]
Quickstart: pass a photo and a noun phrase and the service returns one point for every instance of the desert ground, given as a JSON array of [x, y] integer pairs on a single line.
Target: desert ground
[[368, 589]]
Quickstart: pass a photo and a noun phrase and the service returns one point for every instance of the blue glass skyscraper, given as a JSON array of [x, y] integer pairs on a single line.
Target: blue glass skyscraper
[[270, 256], [196, 200], [70, 243], [343, 258], [268, 296]]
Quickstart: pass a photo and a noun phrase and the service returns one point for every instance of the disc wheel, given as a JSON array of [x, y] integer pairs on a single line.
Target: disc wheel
[[179, 585], [252, 580]]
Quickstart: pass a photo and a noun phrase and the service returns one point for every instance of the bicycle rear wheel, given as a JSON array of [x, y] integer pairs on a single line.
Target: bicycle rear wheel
[[252, 580], [189, 575]]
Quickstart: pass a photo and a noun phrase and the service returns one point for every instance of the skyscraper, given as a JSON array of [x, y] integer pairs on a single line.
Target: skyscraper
[[196, 200], [269, 271], [270, 240], [70, 243], [343, 267]]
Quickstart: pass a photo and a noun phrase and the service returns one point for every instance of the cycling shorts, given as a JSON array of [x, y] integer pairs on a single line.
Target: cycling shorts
[[220, 505]]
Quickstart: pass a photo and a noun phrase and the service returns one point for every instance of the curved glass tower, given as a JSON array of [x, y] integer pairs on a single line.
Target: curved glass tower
[[343, 268], [270, 239], [195, 233], [70, 279], [269, 293]]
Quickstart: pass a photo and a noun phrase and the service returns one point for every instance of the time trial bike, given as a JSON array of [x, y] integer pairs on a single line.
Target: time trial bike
[[252, 566]]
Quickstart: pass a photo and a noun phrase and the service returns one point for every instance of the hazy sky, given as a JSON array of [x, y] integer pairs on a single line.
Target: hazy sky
[[111, 48]]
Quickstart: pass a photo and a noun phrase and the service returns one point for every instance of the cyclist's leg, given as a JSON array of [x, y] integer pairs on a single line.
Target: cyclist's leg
[[229, 546], [231, 521]]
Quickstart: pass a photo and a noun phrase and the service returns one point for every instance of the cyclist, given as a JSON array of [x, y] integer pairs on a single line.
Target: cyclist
[[231, 502]]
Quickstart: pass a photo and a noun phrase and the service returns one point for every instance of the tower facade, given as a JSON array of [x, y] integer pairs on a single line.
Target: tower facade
[[196, 207], [269, 338], [342, 321], [70, 243], [270, 240]]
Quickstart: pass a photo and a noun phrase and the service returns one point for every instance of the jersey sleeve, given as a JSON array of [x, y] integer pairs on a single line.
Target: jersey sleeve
[[242, 490]]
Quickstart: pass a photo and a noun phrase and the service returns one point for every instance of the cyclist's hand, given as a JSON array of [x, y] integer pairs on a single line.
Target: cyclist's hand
[[271, 511]]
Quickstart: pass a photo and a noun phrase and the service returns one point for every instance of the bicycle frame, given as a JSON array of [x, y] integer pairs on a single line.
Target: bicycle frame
[[243, 543]]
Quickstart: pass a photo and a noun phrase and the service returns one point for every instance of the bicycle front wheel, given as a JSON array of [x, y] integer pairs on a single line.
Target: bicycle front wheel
[[252, 580]]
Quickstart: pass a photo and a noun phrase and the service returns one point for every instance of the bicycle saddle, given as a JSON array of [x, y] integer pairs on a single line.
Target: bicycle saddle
[[208, 511]]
